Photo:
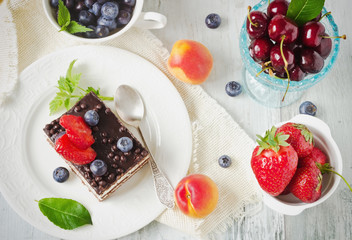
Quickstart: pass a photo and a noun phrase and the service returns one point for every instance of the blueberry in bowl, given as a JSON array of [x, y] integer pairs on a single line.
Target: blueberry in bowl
[[92, 20]]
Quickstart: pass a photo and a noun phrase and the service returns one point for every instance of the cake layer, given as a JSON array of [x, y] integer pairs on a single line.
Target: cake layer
[[121, 166]]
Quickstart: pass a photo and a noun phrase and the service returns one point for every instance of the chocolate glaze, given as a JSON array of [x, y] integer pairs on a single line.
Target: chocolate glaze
[[106, 134]]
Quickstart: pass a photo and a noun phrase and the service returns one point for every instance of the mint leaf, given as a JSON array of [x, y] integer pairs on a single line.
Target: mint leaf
[[302, 11], [63, 16], [75, 27], [56, 103], [65, 213]]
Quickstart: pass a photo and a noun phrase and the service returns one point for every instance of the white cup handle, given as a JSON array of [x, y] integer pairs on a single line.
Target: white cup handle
[[151, 20]]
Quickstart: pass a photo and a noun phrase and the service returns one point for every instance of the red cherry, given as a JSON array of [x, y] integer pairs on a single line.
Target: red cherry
[[325, 47], [277, 7], [278, 62], [296, 74], [311, 34], [281, 25], [257, 24], [310, 61], [259, 49]]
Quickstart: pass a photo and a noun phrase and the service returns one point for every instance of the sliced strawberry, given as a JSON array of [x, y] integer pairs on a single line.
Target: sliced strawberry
[[306, 184], [77, 131], [315, 156], [71, 153], [274, 162], [301, 139]]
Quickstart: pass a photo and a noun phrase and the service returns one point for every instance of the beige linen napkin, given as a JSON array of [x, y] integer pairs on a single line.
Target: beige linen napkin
[[214, 131]]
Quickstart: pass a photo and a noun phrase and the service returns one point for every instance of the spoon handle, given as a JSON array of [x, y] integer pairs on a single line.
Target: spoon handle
[[164, 190]]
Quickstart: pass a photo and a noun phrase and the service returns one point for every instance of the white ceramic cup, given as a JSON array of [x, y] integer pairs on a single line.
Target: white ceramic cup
[[146, 20]]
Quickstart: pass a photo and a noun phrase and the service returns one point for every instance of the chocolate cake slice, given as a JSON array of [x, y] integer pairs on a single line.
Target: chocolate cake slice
[[120, 165]]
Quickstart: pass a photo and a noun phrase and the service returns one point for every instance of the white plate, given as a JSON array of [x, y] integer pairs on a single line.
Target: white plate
[[27, 159]]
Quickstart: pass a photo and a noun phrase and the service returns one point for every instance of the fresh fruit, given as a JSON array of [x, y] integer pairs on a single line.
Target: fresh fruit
[[110, 10], [278, 62], [196, 195], [86, 18], [325, 47], [125, 144], [80, 6], [190, 61], [101, 31], [91, 117], [274, 162], [300, 138], [54, 3], [306, 184], [257, 24], [282, 26], [225, 161], [310, 61], [308, 107], [311, 34], [259, 49], [98, 167], [130, 3], [277, 7], [213, 20], [71, 153], [110, 23], [61, 174], [96, 9], [296, 74], [316, 156], [89, 3], [69, 3], [77, 131], [233, 88], [123, 18]]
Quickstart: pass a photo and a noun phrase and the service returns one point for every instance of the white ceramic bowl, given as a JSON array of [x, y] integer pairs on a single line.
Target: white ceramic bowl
[[146, 20], [289, 204]]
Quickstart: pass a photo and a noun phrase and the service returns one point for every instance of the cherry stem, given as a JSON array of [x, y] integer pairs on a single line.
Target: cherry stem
[[268, 2], [267, 63], [281, 50], [263, 71], [288, 84], [343, 36], [249, 18], [328, 13]]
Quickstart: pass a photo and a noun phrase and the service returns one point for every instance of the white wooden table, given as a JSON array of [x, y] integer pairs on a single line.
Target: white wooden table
[[330, 220]]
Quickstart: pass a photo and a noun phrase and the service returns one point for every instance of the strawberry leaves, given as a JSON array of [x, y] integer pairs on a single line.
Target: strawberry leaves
[[271, 140], [67, 87], [308, 136]]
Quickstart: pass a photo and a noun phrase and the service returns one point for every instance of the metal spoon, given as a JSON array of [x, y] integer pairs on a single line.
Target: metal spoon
[[130, 107]]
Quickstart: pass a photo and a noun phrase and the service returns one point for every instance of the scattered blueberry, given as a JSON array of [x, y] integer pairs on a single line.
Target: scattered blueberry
[[61, 174], [98, 167], [89, 3], [96, 9], [86, 18], [110, 23], [308, 108], [91, 117], [123, 18], [102, 31], [129, 2], [91, 34], [213, 20], [110, 10], [233, 88], [225, 161], [125, 144], [54, 3]]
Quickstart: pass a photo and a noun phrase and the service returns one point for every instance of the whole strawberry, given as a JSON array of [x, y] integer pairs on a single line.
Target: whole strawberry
[[274, 162], [306, 184], [301, 139], [316, 156]]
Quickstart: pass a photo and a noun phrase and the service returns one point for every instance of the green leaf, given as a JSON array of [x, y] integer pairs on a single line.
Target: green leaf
[[63, 16], [55, 104], [67, 103], [64, 85], [302, 11], [75, 27], [69, 70], [65, 213]]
